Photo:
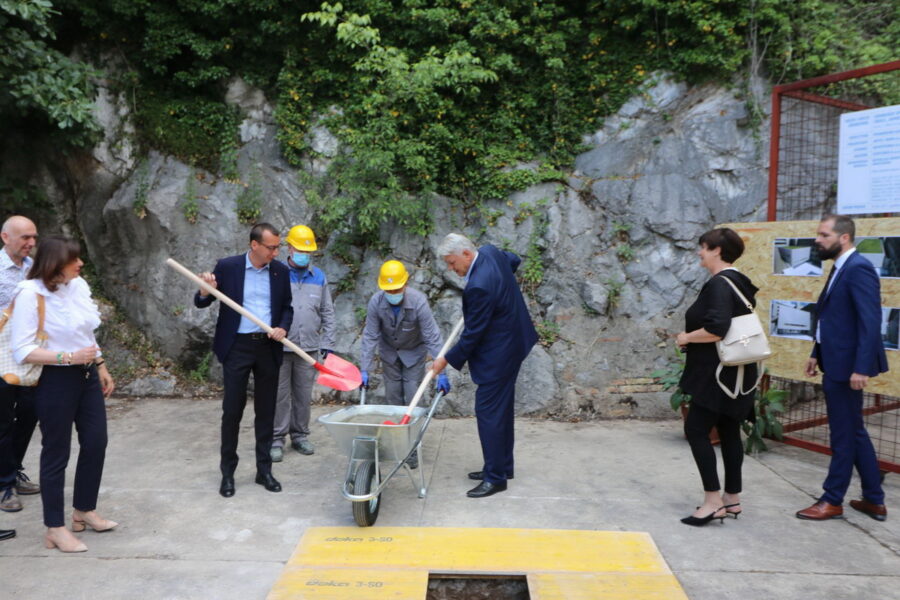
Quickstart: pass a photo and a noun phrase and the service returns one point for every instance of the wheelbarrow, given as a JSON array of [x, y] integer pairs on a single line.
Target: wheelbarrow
[[370, 445]]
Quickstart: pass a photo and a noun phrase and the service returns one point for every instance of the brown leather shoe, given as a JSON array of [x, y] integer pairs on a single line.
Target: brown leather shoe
[[876, 511], [821, 511]]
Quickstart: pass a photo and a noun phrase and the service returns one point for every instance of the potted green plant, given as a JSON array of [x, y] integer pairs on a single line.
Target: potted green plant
[[669, 377], [767, 405]]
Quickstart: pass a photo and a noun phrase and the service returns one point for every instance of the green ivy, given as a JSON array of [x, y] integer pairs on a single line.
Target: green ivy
[[141, 188], [190, 206], [548, 332], [38, 79], [448, 97], [532, 274], [249, 200], [200, 131]]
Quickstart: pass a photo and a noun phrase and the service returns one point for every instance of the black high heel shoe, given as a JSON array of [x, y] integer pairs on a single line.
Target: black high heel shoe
[[733, 513], [701, 521]]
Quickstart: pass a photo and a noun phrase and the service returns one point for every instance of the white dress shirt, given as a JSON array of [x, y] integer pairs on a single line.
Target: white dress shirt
[[71, 317], [471, 266]]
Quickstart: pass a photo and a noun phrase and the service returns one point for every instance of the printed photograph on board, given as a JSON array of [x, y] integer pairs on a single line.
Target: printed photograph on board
[[890, 328], [882, 252], [796, 257], [791, 319]]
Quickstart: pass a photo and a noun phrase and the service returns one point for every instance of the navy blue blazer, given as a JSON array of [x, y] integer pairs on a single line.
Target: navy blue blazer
[[850, 320], [229, 274], [498, 333]]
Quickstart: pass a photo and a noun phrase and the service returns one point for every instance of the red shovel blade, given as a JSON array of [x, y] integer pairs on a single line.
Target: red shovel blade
[[338, 374], [403, 421]]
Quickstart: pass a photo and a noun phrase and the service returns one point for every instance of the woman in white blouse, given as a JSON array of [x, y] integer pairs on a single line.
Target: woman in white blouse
[[71, 389]]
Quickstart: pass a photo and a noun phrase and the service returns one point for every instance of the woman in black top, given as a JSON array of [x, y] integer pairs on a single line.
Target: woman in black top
[[706, 322]]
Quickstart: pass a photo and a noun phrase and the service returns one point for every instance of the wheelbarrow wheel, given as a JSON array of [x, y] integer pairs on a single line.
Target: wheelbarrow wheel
[[365, 513]]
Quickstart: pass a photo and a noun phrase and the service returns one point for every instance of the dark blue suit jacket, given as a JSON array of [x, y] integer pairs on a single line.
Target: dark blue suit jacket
[[498, 334], [850, 320], [229, 274]]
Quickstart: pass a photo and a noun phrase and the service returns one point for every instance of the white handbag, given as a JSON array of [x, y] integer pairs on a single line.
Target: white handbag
[[744, 343], [12, 372]]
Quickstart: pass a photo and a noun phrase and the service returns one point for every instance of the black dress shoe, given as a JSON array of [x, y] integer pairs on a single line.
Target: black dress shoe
[[267, 481], [227, 487], [485, 489], [479, 476], [7, 534]]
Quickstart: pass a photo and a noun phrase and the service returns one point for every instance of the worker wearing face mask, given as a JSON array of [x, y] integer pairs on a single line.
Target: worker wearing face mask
[[313, 330], [399, 322]]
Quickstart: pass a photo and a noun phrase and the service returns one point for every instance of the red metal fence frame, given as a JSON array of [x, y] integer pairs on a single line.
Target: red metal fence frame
[[797, 90]]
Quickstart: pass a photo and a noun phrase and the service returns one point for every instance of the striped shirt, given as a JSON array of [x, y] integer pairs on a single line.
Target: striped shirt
[[10, 276]]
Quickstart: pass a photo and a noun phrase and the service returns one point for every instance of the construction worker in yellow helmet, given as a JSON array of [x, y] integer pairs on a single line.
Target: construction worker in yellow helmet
[[313, 330], [400, 324]]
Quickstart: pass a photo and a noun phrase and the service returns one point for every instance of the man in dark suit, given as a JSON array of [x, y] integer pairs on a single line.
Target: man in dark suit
[[848, 350], [262, 286], [497, 337]]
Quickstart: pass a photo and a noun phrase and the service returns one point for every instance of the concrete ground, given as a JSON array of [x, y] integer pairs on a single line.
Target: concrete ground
[[179, 539]]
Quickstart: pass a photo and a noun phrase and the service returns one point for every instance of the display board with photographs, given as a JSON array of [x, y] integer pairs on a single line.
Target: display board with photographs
[[798, 257], [791, 335]]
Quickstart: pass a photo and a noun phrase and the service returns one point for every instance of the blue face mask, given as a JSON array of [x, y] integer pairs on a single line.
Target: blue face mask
[[394, 299], [301, 259]]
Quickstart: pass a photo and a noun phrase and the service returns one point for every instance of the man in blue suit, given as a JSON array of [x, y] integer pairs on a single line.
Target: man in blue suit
[[497, 337], [262, 286], [848, 350]]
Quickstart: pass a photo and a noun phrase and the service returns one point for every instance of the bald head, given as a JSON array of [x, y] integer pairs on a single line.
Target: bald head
[[19, 236]]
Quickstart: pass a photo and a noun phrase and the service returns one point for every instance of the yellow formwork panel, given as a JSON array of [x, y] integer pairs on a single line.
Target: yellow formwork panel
[[359, 584], [585, 586], [482, 550], [395, 562]]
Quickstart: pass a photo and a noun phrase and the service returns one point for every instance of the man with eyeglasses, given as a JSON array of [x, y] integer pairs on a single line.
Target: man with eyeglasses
[[262, 285]]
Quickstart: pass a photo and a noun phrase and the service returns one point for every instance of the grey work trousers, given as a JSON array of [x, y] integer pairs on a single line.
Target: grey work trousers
[[401, 382], [295, 384]]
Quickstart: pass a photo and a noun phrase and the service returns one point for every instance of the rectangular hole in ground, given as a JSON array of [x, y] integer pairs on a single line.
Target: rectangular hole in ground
[[477, 587]]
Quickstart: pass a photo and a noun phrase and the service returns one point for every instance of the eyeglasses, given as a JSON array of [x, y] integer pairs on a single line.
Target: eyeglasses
[[273, 248]]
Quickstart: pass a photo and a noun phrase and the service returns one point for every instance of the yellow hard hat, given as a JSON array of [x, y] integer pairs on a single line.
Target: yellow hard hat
[[392, 276], [301, 238]]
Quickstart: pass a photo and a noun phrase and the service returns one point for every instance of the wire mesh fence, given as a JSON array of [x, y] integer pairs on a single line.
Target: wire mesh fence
[[805, 421]]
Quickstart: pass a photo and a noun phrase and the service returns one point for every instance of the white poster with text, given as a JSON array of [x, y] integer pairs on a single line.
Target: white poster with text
[[869, 162]]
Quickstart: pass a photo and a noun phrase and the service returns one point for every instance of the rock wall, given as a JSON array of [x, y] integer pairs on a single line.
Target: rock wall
[[617, 240]]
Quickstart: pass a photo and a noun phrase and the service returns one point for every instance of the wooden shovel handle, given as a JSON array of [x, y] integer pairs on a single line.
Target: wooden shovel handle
[[237, 307]]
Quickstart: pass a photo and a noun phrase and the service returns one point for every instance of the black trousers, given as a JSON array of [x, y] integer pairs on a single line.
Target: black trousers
[[251, 353], [67, 396], [495, 415], [697, 426], [17, 423]]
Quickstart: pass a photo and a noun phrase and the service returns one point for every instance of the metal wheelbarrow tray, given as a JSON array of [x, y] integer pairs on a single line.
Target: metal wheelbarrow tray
[[360, 433]]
